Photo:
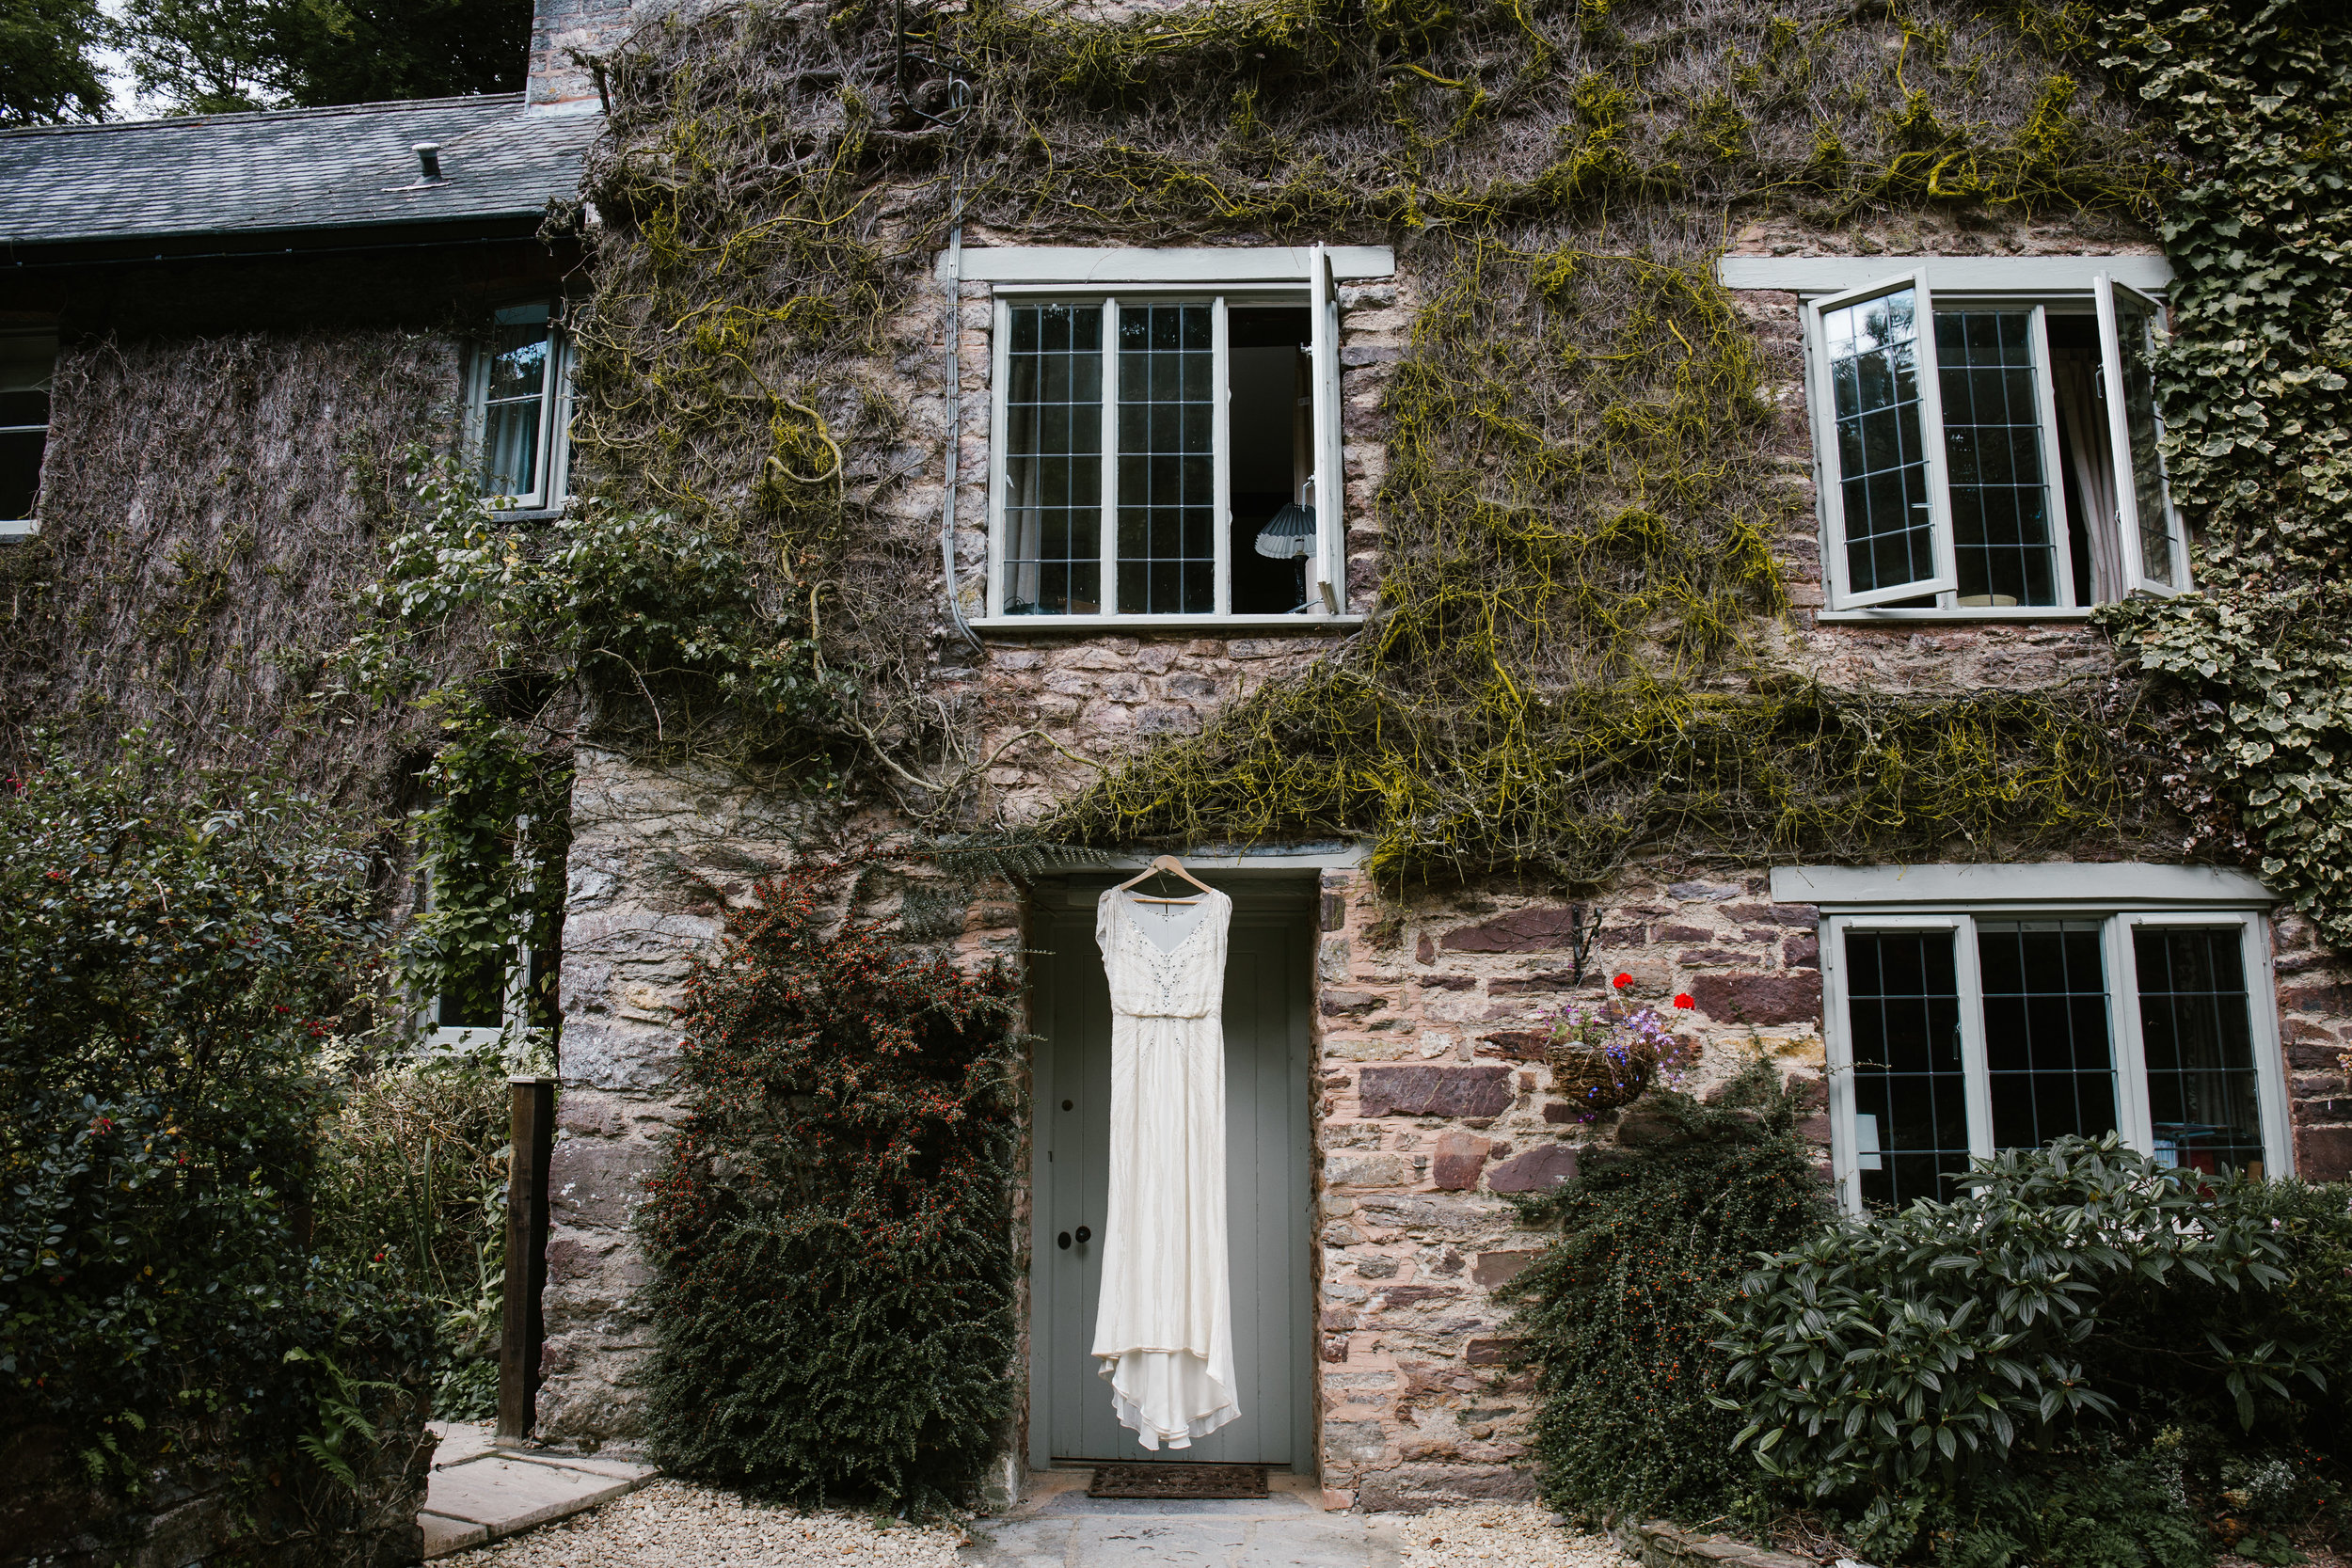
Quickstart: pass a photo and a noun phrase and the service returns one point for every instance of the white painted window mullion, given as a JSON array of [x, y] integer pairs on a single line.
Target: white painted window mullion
[[1837, 1040], [1221, 447], [2130, 1044], [1976, 1075], [1109, 542]]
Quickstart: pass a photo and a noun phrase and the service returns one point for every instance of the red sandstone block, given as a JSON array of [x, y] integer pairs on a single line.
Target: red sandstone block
[[1792, 996], [1500, 1268], [2323, 1153], [1436, 1091]]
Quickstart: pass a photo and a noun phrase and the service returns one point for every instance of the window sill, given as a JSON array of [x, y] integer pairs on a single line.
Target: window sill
[[1094, 626], [28, 528], [2075, 614], [529, 514]]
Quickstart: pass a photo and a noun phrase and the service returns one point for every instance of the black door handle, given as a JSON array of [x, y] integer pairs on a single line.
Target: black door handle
[[1085, 1235], [1062, 1240]]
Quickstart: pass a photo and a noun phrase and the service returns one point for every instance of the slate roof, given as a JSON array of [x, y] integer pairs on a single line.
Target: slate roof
[[351, 166]]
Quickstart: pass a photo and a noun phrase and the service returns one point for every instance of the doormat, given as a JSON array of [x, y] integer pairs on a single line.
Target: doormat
[[1178, 1481]]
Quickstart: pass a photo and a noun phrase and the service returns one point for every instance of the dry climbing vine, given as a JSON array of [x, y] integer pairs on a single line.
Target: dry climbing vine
[[1575, 657]]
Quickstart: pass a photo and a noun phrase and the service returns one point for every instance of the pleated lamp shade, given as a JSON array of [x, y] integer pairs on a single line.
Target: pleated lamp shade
[[1289, 535]]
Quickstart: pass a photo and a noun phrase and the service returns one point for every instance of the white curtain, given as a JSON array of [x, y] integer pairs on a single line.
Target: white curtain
[[2083, 416]]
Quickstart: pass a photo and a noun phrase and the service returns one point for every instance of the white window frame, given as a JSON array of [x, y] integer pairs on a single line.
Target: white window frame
[[1945, 574], [42, 344], [555, 418], [2137, 577], [1306, 276], [2124, 899], [2085, 285]]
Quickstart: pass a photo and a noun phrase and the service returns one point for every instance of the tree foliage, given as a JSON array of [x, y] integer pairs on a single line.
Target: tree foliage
[[216, 57], [171, 966], [47, 72], [831, 1234]]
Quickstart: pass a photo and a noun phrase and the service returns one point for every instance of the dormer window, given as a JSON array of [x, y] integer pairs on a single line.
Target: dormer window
[[1167, 439]]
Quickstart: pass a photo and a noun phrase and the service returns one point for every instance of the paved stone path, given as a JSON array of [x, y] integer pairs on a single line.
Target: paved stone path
[[479, 1492], [1061, 1527]]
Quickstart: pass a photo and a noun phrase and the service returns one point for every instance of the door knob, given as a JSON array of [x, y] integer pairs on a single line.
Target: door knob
[[1062, 1240], [1085, 1235]]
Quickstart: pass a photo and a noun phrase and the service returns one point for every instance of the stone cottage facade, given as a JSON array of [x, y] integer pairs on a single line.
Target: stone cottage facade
[[1424, 1103]]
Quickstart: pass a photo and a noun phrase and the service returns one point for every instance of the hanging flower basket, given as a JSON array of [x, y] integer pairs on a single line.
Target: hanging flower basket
[[1605, 1056]]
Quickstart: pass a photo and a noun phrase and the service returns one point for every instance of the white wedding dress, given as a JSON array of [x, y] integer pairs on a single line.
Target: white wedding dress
[[1164, 1330]]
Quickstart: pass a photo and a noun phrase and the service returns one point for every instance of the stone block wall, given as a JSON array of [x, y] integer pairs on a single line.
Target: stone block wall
[[1434, 1105], [2315, 1032], [657, 855]]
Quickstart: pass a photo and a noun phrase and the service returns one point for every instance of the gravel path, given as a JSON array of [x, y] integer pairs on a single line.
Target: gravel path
[[1511, 1535], [674, 1524]]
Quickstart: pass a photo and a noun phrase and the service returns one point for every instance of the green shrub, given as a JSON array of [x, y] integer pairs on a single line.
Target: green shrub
[[1954, 1368], [831, 1234], [169, 969], [412, 1187], [1618, 1311]]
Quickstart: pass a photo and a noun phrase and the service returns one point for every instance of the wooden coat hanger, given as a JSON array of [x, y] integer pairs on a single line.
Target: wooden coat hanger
[[1169, 865]]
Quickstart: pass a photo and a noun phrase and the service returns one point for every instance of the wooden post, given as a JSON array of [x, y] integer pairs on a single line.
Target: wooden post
[[531, 1123]]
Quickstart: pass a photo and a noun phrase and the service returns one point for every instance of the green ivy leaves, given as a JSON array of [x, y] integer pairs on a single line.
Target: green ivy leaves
[[2259, 445]]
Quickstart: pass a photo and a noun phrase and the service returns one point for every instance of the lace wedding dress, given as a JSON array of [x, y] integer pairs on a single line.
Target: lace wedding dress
[[1164, 1331]]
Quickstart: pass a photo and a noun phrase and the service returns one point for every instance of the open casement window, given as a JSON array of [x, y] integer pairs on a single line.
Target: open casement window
[[1952, 1038], [1168, 453], [2154, 548], [27, 360], [1880, 406], [1987, 453], [521, 397]]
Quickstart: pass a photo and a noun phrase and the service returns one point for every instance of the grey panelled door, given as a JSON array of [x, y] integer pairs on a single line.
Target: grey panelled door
[[1267, 1188]]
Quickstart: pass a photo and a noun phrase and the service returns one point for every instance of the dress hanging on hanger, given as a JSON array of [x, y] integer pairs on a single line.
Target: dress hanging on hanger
[[1164, 1328]]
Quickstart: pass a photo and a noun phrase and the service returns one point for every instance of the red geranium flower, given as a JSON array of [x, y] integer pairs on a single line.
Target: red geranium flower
[[1622, 981], [1682, 999]]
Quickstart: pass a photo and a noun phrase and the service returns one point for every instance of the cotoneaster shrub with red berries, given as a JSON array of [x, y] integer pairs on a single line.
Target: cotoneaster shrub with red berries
[[831, 1232]]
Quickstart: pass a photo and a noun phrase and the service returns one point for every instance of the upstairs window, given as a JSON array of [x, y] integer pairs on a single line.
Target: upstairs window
[[1168, 453], [521, 407], [1985, 452], [26, 363]]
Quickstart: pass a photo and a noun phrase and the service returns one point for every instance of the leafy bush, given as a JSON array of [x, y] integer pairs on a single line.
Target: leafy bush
[[831, 1236], [1618, 1311], [1953, 1368], [412, 1187], [168, 971], [656, 618]]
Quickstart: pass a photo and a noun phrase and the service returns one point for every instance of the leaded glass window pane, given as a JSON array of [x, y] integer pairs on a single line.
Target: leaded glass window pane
[[1053, 461], [2046, 1044], [1911, 1102], [2000, 491], [25, 363], [1881, 459], [2135, 333], [515, 394], [2196, 1027], [1166, 461]]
